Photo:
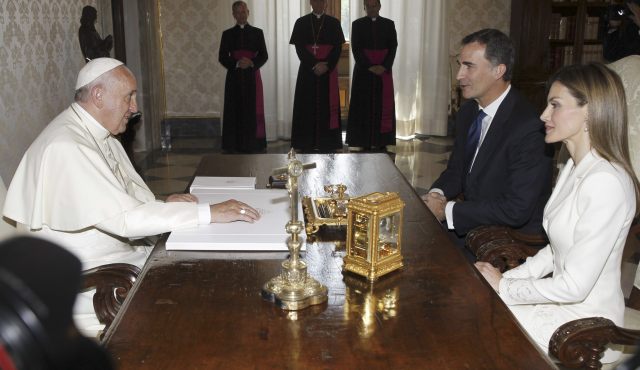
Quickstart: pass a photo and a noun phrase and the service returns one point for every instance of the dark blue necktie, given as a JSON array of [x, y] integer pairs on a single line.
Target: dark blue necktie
[[473, 136]]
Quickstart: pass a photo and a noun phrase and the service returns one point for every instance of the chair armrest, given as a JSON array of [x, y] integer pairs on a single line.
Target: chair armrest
[[581, 343], [505, 254], [483, 234], [534, 240], [501, 246], [112, 283]]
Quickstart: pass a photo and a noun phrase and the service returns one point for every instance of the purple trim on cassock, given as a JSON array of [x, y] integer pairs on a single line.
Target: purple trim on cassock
[[376, 57]]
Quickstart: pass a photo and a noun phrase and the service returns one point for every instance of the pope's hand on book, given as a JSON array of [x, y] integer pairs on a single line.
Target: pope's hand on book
[[233, 210]]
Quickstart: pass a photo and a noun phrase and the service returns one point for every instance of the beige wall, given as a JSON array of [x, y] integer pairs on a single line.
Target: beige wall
[[39, 60], [467, 16], [191, 32]]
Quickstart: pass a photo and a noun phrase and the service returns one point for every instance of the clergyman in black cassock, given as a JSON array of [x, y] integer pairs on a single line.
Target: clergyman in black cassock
[[242, 52], [372, 114], [318, 39]]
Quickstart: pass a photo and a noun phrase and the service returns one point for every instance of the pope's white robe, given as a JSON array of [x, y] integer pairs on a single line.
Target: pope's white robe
[[587, 219], [76, 186]]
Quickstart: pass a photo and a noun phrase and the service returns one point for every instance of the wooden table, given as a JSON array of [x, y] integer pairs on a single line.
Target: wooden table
[[195, 310]]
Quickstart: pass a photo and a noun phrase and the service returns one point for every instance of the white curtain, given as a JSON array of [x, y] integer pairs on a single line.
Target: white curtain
[[276, 18], [421, 70], [421, 75]]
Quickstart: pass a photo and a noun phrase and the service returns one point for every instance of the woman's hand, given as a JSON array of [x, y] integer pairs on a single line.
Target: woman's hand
[[490, 273]]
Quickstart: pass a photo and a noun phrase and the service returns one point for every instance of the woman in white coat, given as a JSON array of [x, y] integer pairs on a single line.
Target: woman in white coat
[[588, 215]]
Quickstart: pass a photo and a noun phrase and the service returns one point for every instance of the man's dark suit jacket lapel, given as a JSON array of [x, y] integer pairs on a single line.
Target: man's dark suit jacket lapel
[[494, 137]]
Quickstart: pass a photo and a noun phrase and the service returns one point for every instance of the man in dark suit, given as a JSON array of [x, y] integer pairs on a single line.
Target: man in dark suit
[[500, 164]]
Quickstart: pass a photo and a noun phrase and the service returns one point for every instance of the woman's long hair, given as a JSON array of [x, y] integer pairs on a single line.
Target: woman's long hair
[[601, 89]]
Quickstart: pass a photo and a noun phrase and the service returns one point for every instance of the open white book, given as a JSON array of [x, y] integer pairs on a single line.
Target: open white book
[[222, 183], [266, 234]]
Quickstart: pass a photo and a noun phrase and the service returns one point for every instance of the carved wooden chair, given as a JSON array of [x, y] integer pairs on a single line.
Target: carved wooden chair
[[112, 283]]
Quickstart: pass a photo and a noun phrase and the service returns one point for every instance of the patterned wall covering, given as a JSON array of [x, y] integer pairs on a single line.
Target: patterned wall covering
[[39, 60], [191, 31], [467, 16]]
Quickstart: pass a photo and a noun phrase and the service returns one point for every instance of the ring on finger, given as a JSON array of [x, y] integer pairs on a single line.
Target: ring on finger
[[243, 211]]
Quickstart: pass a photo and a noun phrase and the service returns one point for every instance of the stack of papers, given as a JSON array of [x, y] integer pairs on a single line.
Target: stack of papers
[[266, 234], [204, 184]]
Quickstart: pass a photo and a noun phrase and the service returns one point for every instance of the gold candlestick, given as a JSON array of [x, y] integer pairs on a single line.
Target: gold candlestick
[[294, 289]]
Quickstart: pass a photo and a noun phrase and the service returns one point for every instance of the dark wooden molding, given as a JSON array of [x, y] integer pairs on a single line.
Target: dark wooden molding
[[119, 46]]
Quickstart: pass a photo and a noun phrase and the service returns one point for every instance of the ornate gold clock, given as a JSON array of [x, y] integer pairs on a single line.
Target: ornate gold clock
[[374, 235]]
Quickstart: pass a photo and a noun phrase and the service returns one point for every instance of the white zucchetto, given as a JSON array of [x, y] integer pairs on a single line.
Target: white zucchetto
[[95, 69]]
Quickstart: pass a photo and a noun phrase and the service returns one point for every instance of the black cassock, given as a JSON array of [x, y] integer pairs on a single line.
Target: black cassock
[[243, 126], [316, 106], [372, 118]]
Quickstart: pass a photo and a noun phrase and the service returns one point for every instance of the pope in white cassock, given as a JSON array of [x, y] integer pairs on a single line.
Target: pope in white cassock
[[76, 186]]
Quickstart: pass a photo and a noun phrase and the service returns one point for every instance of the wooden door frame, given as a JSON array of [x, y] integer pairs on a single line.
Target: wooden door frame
[[117, 15]]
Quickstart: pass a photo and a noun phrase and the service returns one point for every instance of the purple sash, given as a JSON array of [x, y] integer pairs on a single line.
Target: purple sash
[[260, 131], [321, 53], [376, 57]]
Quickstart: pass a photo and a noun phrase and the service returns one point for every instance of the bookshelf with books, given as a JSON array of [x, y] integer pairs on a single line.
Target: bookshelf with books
[[575, 30], [549, 34]]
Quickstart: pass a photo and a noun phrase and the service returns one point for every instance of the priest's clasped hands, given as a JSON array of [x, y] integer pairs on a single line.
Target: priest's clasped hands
[[377, 70], [227, 211], [245, 63], [320, 68]]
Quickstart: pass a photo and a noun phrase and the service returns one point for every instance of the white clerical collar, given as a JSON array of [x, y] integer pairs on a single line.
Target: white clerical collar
[[492, 108], [373, 19], [96, 129], [242, 25], [318, 15]]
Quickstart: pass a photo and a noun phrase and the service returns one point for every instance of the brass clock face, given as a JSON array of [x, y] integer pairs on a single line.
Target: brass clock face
[[388, 235]]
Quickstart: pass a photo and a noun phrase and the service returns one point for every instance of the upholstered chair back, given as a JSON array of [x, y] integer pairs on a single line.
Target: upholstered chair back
[[629, 70]]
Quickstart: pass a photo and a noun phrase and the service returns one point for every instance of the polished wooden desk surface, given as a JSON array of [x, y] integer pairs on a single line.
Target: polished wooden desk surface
[[196, 310]]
